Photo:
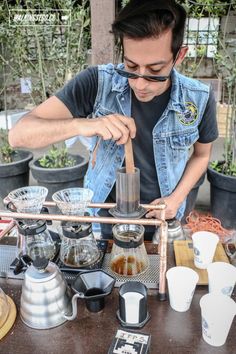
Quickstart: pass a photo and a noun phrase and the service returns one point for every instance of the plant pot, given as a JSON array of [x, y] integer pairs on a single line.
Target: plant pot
[[15, 174], [223, 197], [55, 179]]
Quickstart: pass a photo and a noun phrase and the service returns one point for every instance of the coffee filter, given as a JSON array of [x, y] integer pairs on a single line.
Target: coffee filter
[[73, 201]]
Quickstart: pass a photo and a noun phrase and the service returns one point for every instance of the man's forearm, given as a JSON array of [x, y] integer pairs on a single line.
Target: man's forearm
[[33, 132], [195, 168]]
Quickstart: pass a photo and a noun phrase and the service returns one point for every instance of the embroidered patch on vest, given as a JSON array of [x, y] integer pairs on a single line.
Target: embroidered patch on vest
[[190, 114]]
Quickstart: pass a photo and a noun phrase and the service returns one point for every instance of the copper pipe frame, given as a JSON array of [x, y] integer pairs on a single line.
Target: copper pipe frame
[[7, 229], [50, 203], [162, 249], [90, 219], [163, 260], [112, 205]]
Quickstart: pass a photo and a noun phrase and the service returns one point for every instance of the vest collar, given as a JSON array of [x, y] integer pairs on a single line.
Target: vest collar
[[119, 83], [176, 102]]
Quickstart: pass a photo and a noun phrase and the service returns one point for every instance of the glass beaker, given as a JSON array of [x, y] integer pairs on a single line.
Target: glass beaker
[[78, 245], [35, 240], [128, 255]]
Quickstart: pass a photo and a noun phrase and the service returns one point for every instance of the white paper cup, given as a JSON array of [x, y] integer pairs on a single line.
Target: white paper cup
[[204, 246], [221, 277], [181, 285], [217, 312]]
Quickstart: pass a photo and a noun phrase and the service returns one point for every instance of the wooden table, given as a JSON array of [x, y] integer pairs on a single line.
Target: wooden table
[[171, 332]]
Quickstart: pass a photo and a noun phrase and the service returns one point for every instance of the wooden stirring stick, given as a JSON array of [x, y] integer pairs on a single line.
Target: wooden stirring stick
[[129, 157]]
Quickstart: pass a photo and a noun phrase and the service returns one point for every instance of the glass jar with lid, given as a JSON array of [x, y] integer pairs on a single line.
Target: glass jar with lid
[[78, 245], [129, 255]]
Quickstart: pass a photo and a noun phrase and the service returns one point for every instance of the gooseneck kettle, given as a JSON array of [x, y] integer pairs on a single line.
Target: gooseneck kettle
[[45, 297]]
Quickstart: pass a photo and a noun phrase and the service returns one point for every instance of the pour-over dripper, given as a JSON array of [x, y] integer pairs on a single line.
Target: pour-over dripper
[[28, 199], [94, 286], [73, 201]]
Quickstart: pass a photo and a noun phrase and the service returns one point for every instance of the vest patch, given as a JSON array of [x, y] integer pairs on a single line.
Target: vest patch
[[190, 114]]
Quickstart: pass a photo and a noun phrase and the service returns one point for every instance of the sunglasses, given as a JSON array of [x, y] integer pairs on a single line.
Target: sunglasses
[[155, 78]]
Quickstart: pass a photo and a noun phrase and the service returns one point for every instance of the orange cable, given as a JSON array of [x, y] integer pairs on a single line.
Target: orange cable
[[206, 222]]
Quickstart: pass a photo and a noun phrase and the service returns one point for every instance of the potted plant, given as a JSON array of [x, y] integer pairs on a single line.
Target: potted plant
[[14, 166], [222, 177], [58, 169], [222, 173]]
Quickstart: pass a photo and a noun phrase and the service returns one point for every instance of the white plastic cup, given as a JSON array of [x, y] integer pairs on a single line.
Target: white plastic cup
[[221, 278], [204, 247], [217, 312], [182, 282]]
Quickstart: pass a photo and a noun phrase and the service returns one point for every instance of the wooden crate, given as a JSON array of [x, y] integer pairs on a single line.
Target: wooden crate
[[184, 257], [221, 118]]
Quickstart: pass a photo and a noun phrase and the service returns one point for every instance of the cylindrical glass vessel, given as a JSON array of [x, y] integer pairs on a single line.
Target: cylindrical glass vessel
[[129, 255], [35, 240], [78, 245], [127, 191]]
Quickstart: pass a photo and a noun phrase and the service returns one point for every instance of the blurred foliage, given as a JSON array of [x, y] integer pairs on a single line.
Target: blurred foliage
[[6, 152], [224, 65], [48, 54], [57, 157]]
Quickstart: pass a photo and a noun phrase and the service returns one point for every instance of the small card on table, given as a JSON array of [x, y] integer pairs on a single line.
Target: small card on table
[[130, 342]]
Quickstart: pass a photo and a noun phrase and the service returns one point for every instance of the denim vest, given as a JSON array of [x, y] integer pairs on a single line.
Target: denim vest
[[173, 135]]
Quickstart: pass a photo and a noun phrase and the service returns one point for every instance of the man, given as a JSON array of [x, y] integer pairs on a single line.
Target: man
[[170, 112]]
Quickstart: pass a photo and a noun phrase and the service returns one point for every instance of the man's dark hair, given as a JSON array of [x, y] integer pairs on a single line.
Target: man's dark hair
[[149, 18]]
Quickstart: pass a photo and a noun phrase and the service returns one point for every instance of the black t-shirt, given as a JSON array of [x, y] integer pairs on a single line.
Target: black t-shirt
[[79, 96]]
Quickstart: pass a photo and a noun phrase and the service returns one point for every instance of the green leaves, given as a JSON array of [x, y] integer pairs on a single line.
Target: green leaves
[[6, 151], [226, 167], [57, 158], [45, 53]]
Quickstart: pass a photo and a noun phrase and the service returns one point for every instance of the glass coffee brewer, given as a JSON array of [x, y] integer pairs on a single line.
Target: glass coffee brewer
[[78, 245], [33, 237], [128, 256]]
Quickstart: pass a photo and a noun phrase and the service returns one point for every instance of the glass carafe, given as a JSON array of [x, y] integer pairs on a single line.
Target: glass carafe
[[78, 245], [129, 255], [35, 240]]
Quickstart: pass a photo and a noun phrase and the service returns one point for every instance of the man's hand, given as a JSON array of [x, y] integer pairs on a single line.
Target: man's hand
[[171, 208], [113, 126]]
